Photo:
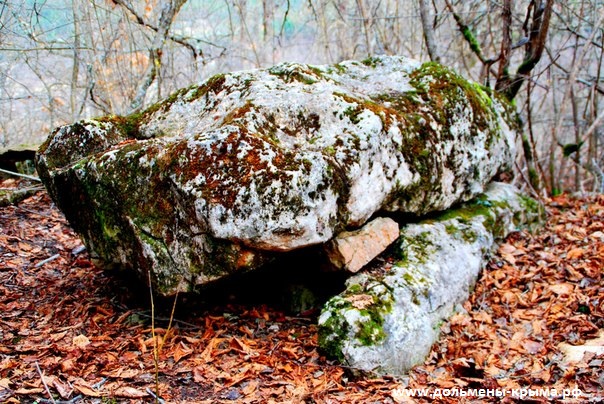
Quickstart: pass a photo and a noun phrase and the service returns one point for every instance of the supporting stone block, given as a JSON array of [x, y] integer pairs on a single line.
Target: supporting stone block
[[352, 250]]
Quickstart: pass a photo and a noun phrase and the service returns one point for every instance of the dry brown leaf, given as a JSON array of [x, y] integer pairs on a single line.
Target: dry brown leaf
[[122, 373], [460, 319], [58, 336], [532, 347], [199, 374], [232, 380], [129, 392], [287, 367], [562, 288], [86, 389], [575, 253], [239, 345], [250, 387], [493, 371], [547, 256], [62, 388], [509, 297], [192, 340], [67, 365], [597, 235], [509, 258], [181, 351], [208, 353], [291, 352], [506, 248], [80, 341]]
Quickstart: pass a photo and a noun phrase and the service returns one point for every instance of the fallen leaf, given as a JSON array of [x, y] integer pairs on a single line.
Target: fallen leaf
[[575, 253], [67, 365], [86, 389], [58, 336], [250, 387], [81, 341], [493, 371], [287, 367], [129, 392], [597, 234], [291, 352], [199, 374], [62, 388], [509, 258], [237, 344], [181, 351], [532, 347], [506, 248], [122, 373], [562, 288]]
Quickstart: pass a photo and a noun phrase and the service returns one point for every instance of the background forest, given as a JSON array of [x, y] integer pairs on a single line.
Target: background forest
[[64, 60]]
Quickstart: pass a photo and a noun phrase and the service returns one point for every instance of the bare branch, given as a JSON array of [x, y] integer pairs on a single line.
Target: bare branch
[[534, 48], [503, 75], [168, 12], [468, 34], [179, 39]]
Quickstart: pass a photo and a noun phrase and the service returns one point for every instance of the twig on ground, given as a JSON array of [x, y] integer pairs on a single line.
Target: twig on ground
[[47, 260], [73, 400], [78, 250], [29, 177], [99, 384], [38, 213], [44, 383], [24, 189], [157, 399], [274, 348], [189, 325]]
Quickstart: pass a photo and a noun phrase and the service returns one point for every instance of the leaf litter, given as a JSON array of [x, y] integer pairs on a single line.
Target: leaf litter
[[73, 332]]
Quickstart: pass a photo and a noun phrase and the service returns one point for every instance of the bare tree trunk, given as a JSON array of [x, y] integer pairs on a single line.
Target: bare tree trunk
[[169, 10], [503, 75], [528, 145], [267, 9], [593, 139], [537, 35], [76, 61], [365, 21], [428, 30], [245, 32]]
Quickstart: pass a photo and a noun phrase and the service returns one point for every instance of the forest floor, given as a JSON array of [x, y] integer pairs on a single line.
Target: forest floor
[[70, 332]]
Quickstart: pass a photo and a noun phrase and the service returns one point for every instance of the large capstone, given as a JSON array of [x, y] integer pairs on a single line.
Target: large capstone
[[222, 176]]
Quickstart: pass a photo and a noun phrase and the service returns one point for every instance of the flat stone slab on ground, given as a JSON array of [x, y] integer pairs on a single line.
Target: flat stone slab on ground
[[386, 321]]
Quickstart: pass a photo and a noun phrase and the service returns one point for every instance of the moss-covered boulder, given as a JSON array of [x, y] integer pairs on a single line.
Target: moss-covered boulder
[[221, 176], [387, 319]]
